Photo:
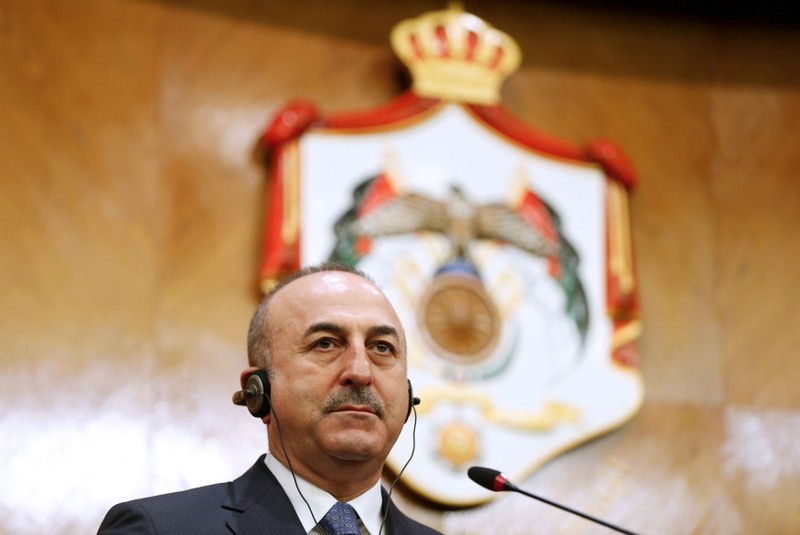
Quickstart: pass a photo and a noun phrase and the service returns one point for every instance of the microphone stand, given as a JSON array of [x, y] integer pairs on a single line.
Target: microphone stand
[[497, 481], [569, 509]]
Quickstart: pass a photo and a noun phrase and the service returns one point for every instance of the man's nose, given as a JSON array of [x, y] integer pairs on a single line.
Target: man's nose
[[357, 366]]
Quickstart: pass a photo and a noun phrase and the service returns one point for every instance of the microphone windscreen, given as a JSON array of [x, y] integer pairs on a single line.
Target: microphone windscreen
[[487, 478]]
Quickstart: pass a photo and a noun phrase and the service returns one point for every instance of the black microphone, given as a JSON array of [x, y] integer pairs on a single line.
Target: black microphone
[[497, 481]]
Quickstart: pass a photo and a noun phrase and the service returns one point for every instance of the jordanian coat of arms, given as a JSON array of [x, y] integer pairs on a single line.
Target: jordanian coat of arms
[[507, 255]]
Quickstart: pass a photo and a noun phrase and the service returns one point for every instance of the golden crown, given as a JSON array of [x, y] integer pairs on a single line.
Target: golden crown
[[455, 55]]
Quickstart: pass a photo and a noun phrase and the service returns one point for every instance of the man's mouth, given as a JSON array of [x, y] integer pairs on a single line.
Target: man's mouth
[[354, 408]]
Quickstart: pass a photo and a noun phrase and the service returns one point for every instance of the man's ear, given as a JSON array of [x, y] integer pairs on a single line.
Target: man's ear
[[246, 375]]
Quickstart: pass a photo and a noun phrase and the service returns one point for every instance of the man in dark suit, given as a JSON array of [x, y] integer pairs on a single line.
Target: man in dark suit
[[327, 376]]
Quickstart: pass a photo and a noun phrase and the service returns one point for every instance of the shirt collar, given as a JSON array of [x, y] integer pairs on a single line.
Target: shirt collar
[[367, 505]]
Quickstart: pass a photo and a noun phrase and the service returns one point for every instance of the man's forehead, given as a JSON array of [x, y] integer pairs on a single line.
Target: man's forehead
[[337, 289], [345, 300], [329, 282]]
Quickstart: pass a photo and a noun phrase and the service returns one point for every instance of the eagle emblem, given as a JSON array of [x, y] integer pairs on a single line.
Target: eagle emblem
[[457, 315]]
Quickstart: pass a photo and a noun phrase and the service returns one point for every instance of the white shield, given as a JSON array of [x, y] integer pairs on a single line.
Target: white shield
[[524, 353]]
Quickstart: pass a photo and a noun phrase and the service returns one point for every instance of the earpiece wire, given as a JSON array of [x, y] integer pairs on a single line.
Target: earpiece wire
[[396, 479], [289, 462]]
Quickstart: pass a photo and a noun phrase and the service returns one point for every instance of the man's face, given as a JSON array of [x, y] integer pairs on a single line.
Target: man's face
[[339, 371]]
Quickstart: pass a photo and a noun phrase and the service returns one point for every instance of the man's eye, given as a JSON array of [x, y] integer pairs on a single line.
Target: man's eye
[[383, 347], [324, 343]]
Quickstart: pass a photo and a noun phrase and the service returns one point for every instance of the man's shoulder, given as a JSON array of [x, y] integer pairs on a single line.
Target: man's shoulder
[[201, 509], [150, 515], [403, 524], [196, 497], [416, 528]]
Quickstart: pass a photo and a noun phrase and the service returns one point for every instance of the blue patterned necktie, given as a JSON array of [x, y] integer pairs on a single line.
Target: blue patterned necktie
[[342, 519]]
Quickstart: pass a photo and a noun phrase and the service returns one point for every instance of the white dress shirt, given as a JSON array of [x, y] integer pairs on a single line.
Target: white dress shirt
[[368, 505]]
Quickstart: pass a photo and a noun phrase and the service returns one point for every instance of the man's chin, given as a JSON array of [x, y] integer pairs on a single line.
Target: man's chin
[[356, 445]]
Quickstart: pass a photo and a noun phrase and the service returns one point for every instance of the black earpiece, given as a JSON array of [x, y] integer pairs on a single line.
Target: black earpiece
[[411, 399], [255, 395]]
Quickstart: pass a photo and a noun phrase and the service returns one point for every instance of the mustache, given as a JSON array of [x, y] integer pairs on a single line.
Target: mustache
[[354, 396]]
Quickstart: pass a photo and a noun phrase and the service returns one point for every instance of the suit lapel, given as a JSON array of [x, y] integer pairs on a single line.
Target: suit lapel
[[396, 522], [259, 505]]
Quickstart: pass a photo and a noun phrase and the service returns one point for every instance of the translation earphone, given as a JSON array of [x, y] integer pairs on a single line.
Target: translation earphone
[[256, 394]]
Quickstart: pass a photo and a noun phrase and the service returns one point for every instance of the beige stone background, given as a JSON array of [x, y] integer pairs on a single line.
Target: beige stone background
[[132, 199]]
